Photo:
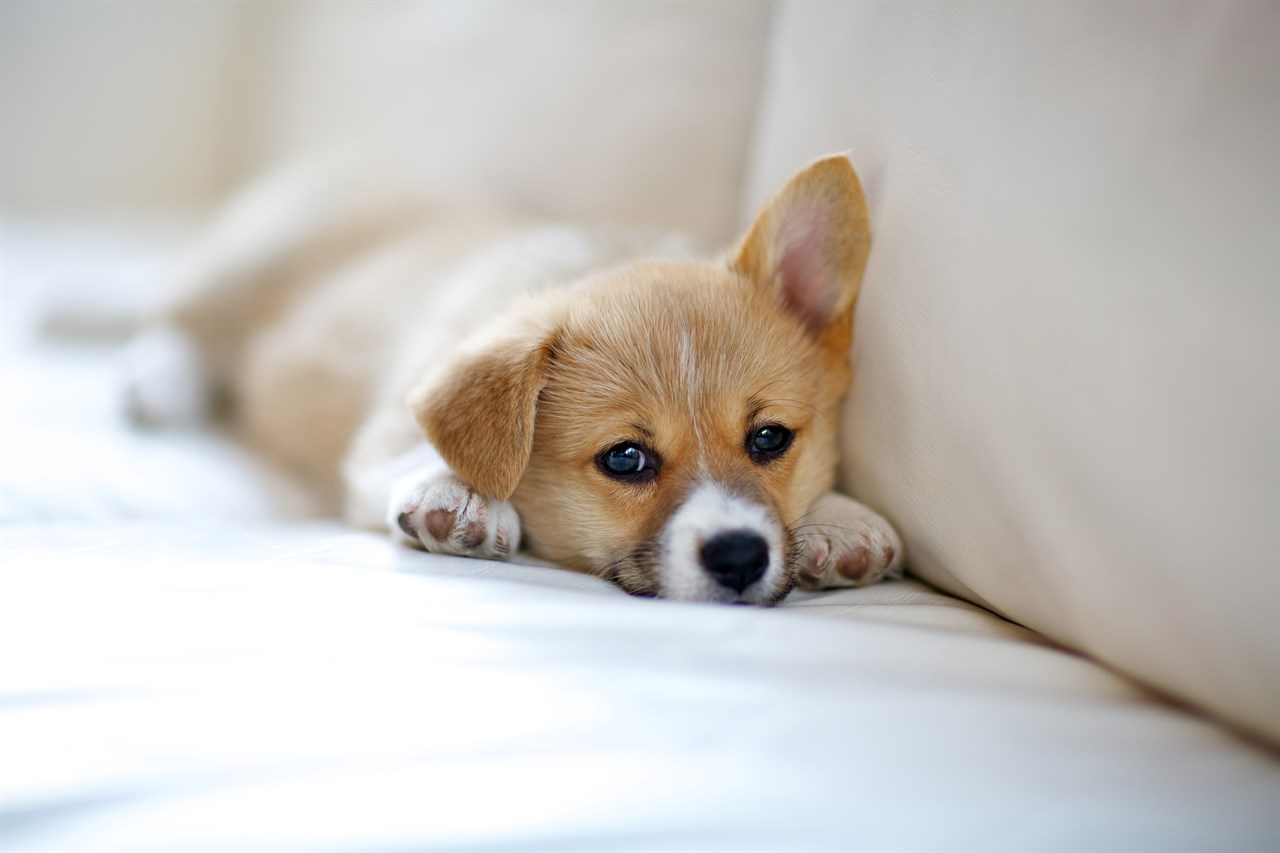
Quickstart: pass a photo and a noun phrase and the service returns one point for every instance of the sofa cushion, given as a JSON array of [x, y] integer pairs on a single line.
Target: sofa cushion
[[632, 112], [1067, 344]]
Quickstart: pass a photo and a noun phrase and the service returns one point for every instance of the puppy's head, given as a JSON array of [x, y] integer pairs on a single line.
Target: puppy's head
[[667, 425]]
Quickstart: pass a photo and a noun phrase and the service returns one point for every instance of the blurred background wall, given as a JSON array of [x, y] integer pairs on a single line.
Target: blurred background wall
[[111, 105], [121, 104]]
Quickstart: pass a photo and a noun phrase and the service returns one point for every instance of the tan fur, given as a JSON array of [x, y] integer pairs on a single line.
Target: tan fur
[[480, 413], [685, 358]]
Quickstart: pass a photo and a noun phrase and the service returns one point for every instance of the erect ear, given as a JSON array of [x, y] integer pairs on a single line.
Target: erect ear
[[479, 411], [808, 245]]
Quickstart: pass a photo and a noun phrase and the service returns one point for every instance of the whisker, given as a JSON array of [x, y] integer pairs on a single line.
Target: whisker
[[609, 569], [815, 526], [798, 403], [801, 518], [627, 571]]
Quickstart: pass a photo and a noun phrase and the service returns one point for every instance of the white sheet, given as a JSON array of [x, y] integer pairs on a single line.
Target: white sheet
[[66, 451], [217, 686]]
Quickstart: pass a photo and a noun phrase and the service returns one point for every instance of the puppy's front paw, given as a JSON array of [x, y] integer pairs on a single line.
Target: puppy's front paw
[[843, 543], [442, 515]]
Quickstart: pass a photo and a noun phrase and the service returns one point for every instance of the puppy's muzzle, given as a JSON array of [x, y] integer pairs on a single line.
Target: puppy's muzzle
[[721, 546], [736, 558]]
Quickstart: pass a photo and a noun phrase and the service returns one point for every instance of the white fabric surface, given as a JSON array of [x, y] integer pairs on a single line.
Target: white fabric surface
[[1068, 342], [221, 686], [181, 669], [66, 452]]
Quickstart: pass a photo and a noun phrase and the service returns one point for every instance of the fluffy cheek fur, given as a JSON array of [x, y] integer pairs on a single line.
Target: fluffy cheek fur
[[636, 536]]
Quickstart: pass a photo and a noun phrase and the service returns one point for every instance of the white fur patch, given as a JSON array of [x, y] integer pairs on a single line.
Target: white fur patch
[[711, 509], [372, 488]]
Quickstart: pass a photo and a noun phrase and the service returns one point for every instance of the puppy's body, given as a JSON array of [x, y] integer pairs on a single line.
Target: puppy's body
[[669, 424]]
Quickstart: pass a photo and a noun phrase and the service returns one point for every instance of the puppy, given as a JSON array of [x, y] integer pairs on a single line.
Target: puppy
[[473, 384]]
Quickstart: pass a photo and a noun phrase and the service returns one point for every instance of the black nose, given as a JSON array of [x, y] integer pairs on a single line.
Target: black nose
[[736, 559]]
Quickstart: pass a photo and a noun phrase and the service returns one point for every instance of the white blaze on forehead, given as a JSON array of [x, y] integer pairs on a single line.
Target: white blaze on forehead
[[688, 362], [709, 510], [692, 378]]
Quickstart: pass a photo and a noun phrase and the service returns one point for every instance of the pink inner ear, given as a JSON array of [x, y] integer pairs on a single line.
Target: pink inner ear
[[804, 269]]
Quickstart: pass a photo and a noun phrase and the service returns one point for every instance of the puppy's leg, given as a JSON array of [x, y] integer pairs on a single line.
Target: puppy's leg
[[270, 244], [398, 482], [844, 543]]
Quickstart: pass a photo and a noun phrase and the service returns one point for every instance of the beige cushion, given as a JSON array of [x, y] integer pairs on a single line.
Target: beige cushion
[[629, 111], [1067, 354]]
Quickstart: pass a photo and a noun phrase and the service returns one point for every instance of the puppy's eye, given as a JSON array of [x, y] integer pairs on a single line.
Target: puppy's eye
[[769, 442], [628, 461]]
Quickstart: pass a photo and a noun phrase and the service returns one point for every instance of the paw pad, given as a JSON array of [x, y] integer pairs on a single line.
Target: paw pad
[[440, 524], [854, 564]]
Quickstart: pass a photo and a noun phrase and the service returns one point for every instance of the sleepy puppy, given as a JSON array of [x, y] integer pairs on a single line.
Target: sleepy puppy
[[670, 424]]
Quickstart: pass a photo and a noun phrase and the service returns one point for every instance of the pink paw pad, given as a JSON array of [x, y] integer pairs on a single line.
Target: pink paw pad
[[440, 524], [854, 564]]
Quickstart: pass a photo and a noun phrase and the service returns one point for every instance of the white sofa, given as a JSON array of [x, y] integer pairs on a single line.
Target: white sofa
[[1066, 396]]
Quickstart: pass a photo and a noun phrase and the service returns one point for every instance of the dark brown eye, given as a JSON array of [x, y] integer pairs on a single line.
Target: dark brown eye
[[628, 462], [769, 442]]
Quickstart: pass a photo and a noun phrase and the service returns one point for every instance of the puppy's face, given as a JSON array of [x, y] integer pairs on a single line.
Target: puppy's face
[[667, 426], [684, 423]]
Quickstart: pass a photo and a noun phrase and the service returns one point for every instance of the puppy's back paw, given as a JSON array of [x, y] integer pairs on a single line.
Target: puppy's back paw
[[439, 513], [163, 380]]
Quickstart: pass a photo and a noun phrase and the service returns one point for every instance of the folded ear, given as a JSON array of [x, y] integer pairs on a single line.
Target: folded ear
[[478, 412], [809, 244]]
